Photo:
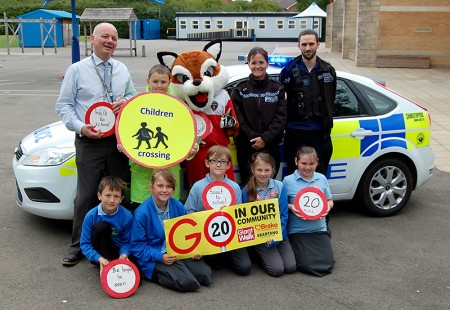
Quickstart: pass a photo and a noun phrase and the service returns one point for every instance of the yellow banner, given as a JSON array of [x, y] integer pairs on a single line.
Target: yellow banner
[[211, 232], [156, 130]]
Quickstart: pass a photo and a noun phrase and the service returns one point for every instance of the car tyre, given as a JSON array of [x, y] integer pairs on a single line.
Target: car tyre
[[385, 187]]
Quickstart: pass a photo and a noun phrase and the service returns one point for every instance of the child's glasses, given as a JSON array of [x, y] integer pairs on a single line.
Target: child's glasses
[[217, 161]]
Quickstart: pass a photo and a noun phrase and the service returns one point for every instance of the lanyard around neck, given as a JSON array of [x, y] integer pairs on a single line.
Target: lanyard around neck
[[106, 88]]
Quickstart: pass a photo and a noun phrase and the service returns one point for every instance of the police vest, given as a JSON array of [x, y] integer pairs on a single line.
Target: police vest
[[309, 103]]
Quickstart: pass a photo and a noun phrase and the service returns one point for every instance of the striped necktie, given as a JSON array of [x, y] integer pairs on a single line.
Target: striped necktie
[[107, 81], [107, 74]]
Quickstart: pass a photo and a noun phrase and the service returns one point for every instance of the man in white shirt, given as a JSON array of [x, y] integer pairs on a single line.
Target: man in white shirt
[[84, 84]]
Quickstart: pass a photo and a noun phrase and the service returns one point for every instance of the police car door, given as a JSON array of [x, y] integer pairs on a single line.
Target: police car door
[[355, 134]]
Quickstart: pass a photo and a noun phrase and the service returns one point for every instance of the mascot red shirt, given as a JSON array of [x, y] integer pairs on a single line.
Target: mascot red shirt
[[199, 79]]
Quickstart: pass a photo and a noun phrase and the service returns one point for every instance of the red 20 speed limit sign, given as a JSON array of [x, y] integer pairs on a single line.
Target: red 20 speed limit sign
[[219, 229], [311, 203]]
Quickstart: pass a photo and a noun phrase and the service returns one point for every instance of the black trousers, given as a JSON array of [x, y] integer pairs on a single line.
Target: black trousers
[[238, 260], [186, 275], [294, 139], [102, 241], [95, 158]]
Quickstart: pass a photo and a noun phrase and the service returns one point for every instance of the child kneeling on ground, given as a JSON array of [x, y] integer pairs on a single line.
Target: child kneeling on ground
[[218, 160], [310, 239], [105, 233], [276, 257], [148, 243]]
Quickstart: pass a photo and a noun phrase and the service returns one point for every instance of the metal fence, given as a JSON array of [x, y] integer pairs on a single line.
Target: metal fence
[[231, 34]]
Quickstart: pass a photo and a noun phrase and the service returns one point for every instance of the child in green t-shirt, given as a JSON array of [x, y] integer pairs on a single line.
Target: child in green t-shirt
[[158, 79]]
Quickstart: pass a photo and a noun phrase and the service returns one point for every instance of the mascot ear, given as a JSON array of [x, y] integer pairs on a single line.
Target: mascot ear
[[167, 58], [214, 48]]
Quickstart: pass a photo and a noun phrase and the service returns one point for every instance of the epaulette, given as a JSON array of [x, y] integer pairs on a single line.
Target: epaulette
[[293, 61], [324, 62]]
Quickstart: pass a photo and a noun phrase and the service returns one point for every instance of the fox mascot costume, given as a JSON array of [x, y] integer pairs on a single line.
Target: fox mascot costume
[[199, 80]]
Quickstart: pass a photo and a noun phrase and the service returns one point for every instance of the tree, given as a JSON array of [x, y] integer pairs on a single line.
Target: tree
[[304, 4], [145, 9], [254, 6]]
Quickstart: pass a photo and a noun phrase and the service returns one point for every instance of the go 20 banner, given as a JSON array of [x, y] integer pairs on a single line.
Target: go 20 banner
[[215, 231]]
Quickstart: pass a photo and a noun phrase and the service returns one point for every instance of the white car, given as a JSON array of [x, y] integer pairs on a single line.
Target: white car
[[381, 153]]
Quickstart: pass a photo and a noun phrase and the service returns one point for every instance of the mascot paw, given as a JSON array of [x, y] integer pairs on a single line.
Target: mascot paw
[[227, 121]]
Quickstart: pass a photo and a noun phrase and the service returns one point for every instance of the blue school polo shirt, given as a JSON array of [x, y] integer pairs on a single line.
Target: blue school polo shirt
[[294, 183]]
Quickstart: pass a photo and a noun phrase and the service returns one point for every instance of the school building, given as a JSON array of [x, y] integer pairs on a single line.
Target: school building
[[257, 26], [390, 33]]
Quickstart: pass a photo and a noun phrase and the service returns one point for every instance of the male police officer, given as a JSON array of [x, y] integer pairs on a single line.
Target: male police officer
[[310, 85]]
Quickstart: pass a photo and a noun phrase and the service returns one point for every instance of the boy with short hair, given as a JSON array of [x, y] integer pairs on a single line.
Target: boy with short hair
[[105, 234], [218, 160], [158, 80]]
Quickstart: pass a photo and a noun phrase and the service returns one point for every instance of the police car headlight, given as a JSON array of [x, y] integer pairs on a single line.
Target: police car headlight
[[49, 157]]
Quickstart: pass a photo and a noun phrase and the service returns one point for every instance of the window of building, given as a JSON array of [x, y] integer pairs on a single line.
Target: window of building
[[316, 24], [182, 24], [194, 24], [303, 24], [291, 24], [280, 24], [241, 28], [207, 24], [241, 24], [219, 24], [262, 24]]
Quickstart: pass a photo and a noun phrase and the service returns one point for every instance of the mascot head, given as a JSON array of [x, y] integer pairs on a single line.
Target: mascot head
[[197, 76]]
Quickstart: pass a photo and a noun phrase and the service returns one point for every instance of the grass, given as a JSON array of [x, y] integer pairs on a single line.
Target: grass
[[12, 39]]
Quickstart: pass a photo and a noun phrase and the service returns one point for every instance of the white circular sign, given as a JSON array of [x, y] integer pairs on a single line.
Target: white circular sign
[[204, 126], [220, 229], [120, 278], [101, 115], [201, 125], [311, 203], [218, 194]]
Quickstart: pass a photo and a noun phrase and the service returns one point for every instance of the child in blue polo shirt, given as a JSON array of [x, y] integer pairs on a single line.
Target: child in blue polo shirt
[[310, 239], [276, 257], [218, 160], [105, 233]]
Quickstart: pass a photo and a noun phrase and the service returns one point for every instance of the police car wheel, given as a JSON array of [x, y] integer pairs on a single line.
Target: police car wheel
[[386, 187]]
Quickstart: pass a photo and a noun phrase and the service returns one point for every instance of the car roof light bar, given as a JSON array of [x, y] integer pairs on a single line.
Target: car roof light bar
[[278, 60]]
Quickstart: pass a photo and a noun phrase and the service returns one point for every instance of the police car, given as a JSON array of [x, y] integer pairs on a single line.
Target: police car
[[381, 151]]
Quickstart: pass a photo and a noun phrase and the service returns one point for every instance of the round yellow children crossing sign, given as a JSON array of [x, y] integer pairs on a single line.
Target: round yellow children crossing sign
[[156, 130]]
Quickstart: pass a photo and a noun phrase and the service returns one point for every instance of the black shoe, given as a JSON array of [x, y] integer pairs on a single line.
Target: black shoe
[[70, 260]]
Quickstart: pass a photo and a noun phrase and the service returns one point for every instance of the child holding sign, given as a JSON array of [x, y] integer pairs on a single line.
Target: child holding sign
[[276, 257], [105, 234], [218, 160], [148, 242], [310, 239], [158, 79]]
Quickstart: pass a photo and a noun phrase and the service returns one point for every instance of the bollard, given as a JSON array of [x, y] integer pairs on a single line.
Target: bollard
[[143, 50]]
